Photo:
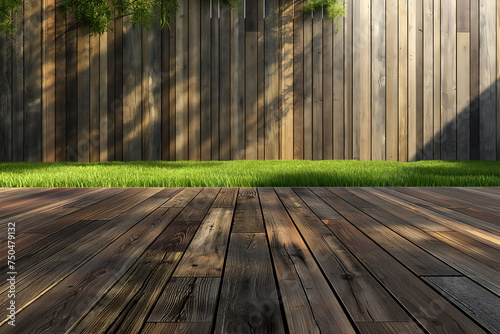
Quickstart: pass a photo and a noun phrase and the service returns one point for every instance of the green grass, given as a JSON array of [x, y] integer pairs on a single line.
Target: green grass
[[250, 174]]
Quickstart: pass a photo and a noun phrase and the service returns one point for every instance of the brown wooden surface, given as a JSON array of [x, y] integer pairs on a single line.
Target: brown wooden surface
[[161, 260]]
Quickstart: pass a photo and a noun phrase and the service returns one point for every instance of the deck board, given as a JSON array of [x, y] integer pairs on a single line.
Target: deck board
[[266, 260]]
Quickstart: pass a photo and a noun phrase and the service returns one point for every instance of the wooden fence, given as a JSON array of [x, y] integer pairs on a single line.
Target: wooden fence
[[394, 80]]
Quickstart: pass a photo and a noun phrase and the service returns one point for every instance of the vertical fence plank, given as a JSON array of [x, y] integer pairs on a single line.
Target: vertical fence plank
[[348, 90], [474, 80], [83, 75], [261, 112], [420, 83], [378, 60], [194, 80], [251, 69], [308, 86], [205, 81], [448, 80], [403, 80], [18, 86], [103, 98], [33, 81], [5, 99], [132, 78], [437, 80], [225, 83], [327, 88], [60, 82], [338, 90], [118, 102], [94, 71], [238, 83], [215, 82], [110, 90], [391, 82], [165, 93], [317, 86], [362, 81], [298, 80], [48, 81], [287, 80], [412, 79], [151, 98], [271, 96], [172, 91], [487, 76], [72, 90], [498, 82], [181, 81], [428, 81], [463, 93]]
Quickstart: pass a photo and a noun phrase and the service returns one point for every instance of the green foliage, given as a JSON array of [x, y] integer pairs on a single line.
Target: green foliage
[[335, 9], [7, 7]]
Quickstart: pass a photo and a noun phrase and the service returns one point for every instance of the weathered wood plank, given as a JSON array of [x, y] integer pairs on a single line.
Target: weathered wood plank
[[448, 80], [205, 255], [286, 91], [391, 80], [6, 129], [338, 91], [248, 298], [271, 80], [487, 78], [132, 91], [378, 80], [194, 82], [225, 83], [83, 96], [308, 85], [420, 83], [94, 102], [428, 81], [215, 84], [317, 86], [314, 306], [298, 80], [403, 80], [388, 327], [463, 17], [187, 299], [474, 80], [327, 84], [118, 85], [226, 198], [177, 328], [166, 92], [261, 103], [205, 81], [473, 299], [48, 80], [110, 90], [413, 77], [32, 81], [437, 80], [181, 82], [18, 102], [104, 124], [238, 83], [348, 90], [463, 96], [251, 83], [248, 215]]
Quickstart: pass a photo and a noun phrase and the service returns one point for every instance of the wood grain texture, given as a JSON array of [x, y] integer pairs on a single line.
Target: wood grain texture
[[215, 84], [271, 80], [308, 86], [166, 92], [104, 124], [327, 84], [181, 82], [94, 99], [348, 89], [317, 86], [298, 83], [177, 328], [338, 91], [225, 83], [18, 87], [413, 76], [251, 83], [428, 81], [83, 96], [5, 100], [391, 80], [463, 96], [205, 81], [448, 80], [261, 114], [194, 82], [403, 80], [437, 79], [248, 215], [248, 289], [237, 83], [48, 80], [286, 89]]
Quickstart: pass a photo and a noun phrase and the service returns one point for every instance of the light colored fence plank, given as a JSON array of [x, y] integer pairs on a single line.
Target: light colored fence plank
[[317, 86], [118, 102], [104, 123], [428, 80], [463, 96], [181, 81], [308, 86], [338, 90], [238, 83], [261, 85], [448, 80], [348, 88], [474, 80], [327, 88], [132, 94], [215, 84], [378, 69], [194, 81], [412, 79], [391, 81], [60, 86], [437, 80], [271, 80], [287, 97], [498, 82], [251, 84]]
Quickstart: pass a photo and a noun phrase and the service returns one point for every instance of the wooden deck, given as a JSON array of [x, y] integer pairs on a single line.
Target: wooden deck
[[282, 260]]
